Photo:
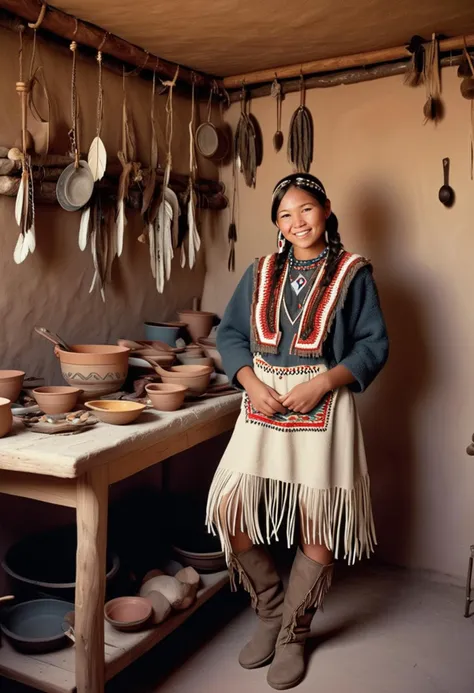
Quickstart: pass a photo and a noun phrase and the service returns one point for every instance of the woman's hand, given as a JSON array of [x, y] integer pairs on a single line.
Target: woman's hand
[[264, 398], [303, 398]]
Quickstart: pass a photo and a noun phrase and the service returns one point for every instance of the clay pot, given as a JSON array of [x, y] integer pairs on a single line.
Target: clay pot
[[210, 349], [6, 419], [195, 378], [56, 399], [165, 396], [97, 369], [11, 383], [116, 411], [199, 322], [191, 360], [128, 613]]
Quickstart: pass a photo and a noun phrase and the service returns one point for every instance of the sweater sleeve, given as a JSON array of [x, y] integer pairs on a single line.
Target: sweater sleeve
[[367, 349], [233, 333]]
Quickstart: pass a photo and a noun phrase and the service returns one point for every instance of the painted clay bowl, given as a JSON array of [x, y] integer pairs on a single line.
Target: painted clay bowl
[[56, 399], [116, 411], [11, 383], [128, 613], [165, 396], [97, 369]]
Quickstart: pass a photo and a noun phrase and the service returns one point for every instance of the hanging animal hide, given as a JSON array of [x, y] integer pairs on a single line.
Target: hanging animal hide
[[300, 140], [245, 147]]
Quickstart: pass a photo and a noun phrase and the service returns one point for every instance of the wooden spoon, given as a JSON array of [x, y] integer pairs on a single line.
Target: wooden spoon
[[446, 193], [54, 338]]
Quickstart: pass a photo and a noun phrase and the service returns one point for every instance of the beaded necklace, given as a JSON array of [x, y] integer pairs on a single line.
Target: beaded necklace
[[305, 264]]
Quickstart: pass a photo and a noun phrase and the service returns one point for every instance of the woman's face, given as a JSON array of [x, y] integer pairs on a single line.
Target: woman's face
[[302, 221]]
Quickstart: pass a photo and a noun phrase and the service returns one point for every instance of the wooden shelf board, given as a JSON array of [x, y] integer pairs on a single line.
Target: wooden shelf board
[[55, 672]]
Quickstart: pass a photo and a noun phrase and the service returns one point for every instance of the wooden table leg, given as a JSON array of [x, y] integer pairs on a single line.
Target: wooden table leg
[[92, 507]]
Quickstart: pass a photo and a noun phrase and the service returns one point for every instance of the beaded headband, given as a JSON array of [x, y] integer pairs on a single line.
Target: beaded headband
[[299, 180]]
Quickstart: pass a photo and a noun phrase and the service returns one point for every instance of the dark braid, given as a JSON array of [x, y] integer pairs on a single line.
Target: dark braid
[[334, 250]]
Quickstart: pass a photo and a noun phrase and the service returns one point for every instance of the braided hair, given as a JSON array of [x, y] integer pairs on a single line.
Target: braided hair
[[313, 186]]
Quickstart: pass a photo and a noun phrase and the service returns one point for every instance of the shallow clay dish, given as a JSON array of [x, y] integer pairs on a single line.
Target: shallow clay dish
[[11, 383], [116, 411], [128, 613], [165, 396], [56, 399]]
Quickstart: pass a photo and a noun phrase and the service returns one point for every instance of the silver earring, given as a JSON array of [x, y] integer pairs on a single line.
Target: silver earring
[[281, 242]]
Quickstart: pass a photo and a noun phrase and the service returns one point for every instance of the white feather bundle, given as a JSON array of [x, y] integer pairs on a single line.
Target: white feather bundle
[[97, 158], [20, 196], [21, 250], [84, 228], [121, 223], [152, 242], [30, 239]]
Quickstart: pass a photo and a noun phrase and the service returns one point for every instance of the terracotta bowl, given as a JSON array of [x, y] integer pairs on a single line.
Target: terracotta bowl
[[56, 399], [194, 349], [97, 369], [191, 360], [166, 397], [11, 383], [6, 419], [202, 562], [210, 349], [128, 613], [162, 332], [199, 322], [116, 411], [195, 378]]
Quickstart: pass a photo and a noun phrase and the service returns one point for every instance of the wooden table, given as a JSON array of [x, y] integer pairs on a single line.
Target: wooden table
[[76, 471]]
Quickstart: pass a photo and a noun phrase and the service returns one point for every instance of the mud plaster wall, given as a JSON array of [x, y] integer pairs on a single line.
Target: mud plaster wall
[[51, 288], [382, 169]]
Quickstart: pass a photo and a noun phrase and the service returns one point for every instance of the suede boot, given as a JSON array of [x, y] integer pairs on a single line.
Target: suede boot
[[259, 577], [309, 582]]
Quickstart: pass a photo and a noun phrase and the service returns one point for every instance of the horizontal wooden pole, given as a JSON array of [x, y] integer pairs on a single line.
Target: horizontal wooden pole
[[68, 27], [337, 78], [341, 63], [45, 193]]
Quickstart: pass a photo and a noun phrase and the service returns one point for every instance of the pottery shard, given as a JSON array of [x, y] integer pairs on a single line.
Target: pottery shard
[[161, 606]]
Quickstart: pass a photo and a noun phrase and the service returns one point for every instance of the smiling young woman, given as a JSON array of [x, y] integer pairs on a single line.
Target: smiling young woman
[[302, 332]]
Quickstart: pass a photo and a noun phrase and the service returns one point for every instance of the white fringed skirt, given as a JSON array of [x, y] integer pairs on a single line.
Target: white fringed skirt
[[312, 463]]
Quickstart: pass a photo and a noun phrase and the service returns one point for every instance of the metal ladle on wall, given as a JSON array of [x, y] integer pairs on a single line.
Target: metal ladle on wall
[[446, 193]]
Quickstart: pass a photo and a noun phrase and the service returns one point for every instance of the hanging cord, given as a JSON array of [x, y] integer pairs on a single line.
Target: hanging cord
[[74, 115], [471, 157], [22, 90], [100, 95], [169, 117], [192, 153]]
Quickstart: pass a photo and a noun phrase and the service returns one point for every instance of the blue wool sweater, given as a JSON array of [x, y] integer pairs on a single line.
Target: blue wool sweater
[[357, 339]]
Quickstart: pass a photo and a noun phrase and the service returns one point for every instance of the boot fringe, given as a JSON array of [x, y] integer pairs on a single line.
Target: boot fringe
[[313, 599], [235, 569], [323, 511]]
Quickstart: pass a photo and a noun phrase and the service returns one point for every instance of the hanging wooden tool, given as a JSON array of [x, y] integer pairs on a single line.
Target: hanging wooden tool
[[433, 109], [245, 144], [24, 206], [126, 157], [149, 190], [232, 233], [276, 93], [300, 136], [194, 240]]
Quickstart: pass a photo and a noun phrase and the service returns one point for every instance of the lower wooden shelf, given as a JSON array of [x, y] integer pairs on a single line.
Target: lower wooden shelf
[[55, 672]]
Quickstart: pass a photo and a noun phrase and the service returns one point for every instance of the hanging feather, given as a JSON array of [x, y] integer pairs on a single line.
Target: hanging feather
[[194, 242], [84, 228], [300, 136], [30, 235], [97, 158], [121, 222], [245, 144], [433, 109], [124, 185], [19, 201], [152, 244], [414, 74], [21, 250]]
